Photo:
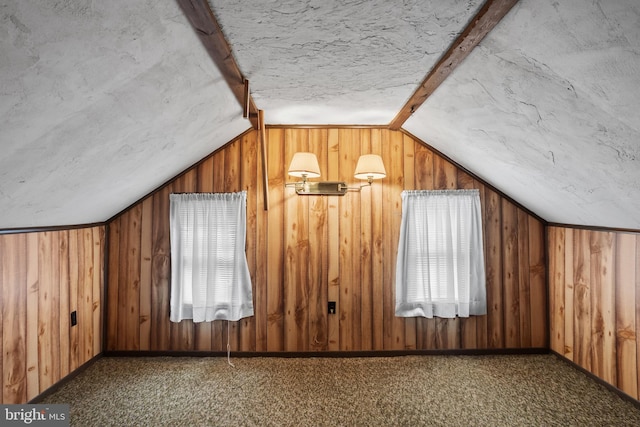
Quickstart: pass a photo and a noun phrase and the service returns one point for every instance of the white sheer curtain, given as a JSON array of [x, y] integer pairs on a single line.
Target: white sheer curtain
[[209, 273], [440, 266]]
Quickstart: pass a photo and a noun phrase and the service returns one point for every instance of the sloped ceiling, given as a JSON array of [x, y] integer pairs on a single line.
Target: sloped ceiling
[[103, 101], [547, 108]]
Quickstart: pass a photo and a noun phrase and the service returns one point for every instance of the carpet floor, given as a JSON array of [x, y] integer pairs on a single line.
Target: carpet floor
[[523, 390]]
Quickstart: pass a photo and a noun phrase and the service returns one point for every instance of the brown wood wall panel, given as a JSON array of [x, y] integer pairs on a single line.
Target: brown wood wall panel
[[308, 250], [43, 277], [594, 302]]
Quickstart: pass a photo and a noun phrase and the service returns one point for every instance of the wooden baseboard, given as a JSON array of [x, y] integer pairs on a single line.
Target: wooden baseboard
[[597, 379], [385, 353], [65, 380]]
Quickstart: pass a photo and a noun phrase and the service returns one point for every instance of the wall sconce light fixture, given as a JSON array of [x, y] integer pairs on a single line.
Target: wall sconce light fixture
[[305, 166]]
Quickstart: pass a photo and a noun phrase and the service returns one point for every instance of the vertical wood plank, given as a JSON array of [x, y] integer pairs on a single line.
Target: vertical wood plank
[[392, 148], [160, 273], [333, 246], [63, 257], [552, 242], [112, 285], [608, 298], [603, 303], [146, 269], [387, 214], [123, 281], [377, 256], [262, 229], [625, 308], [54, 305], [366, 254], [356, 244], [275, 290], [296, 226], [13, 248], [597, 322], [75, 276], [637, 302], [510, 275], [557, 293], [132, 295], [538, 284], [582, 299], [98, 288], [568, 294], [524, 284], [47, 342], [4, 244], [318, 244], [33, 388], [349, 244], [494, 265], [85, 297]]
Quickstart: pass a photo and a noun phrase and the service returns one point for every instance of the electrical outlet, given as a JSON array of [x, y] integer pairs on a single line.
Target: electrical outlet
[[74, 318], [332, 307]]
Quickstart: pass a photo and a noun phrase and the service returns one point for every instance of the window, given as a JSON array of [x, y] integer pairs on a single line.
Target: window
[[209, 274], [440, 266]]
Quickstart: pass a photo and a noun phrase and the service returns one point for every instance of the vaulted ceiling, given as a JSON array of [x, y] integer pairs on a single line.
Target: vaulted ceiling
[[101, 102]]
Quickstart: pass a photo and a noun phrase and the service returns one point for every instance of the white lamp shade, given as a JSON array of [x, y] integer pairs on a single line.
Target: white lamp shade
[[370, 166], [304, 164]]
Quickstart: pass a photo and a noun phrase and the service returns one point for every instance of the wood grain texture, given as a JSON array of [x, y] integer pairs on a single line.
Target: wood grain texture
[[205, 25], [538, 284], [249, 181], [308, 250], [494, 269], [14, 319], [261, 296], [275, 245], [318, 253], [333, 244], [43, 277], [296, 226], [595, 283]]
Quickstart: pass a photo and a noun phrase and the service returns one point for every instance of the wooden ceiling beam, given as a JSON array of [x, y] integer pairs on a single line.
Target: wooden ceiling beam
[[202, 19], [485, 20]]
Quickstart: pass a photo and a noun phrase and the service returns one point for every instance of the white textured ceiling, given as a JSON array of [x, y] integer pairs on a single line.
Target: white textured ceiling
[[547, 109], [101, 102], [337, 61]]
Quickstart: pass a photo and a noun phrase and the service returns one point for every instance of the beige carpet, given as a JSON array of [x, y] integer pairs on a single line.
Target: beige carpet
[[530, 390]]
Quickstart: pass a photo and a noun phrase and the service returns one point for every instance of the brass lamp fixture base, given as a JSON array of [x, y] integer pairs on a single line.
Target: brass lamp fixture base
[[324, 188], [305, 165]]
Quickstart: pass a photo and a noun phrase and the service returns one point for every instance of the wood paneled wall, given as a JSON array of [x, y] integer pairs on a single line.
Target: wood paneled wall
[[308, 250], [44, 277], [595, 302]]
